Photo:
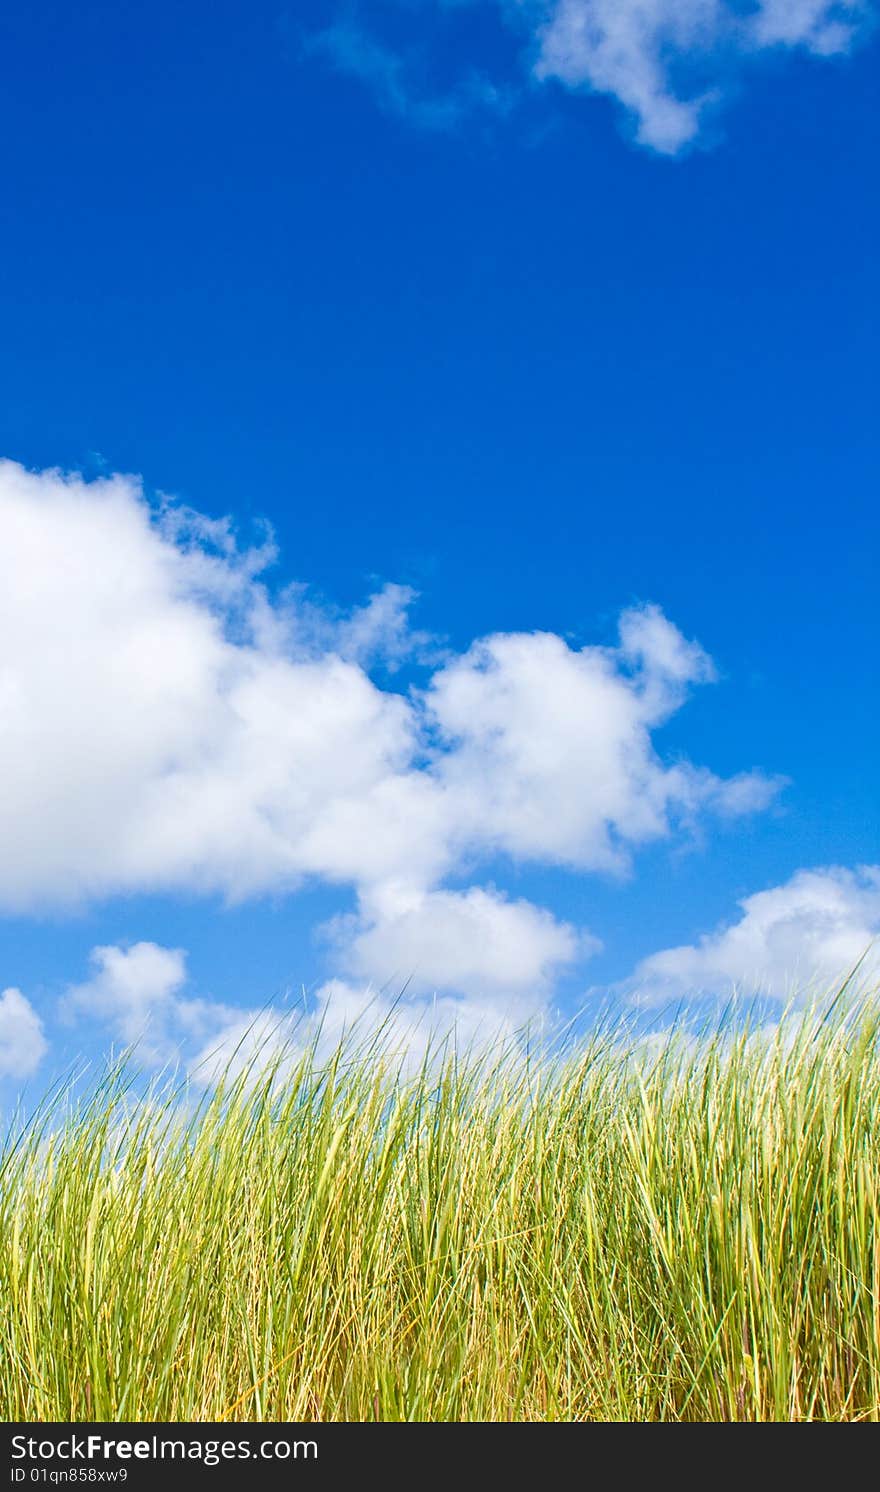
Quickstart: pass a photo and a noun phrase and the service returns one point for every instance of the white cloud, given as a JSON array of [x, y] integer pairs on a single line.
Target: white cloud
[[165, 724], [478, 970], [211, 1041], [649, 640], [168, 724], [253, 1043], [666, 60], [548, 752], [624, 48], [472, 965], [153, 732], [381, 630], [822, 26], [796, 939], [22, 1043], [137, 994], [419, 1023], [359, 1018], [476, 942]]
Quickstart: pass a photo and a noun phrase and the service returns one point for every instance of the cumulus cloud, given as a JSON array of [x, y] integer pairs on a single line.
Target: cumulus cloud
[[22, 1043], [165, 723], [666, 62], [137, 994], [157, 728], [470, 967], [476, 942], [169, 723], [548, 752], [796, 939]]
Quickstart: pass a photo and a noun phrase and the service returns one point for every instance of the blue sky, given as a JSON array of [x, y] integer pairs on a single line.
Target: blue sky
[[545, 314]]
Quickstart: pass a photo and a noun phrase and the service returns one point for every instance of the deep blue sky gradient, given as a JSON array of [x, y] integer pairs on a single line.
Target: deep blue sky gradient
[[521, 365]]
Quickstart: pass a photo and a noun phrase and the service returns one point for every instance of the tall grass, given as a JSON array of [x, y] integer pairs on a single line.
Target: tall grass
[[606, 1236]]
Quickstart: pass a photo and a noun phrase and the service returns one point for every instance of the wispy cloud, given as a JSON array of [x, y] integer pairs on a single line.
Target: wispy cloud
[[669, 64], [400, 81], [670, 61]]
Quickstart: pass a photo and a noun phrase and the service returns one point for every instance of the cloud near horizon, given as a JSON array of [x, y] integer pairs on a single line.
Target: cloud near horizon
[[791, 941], [22, 1042], [668, 64], [170, 724], [138, 996]]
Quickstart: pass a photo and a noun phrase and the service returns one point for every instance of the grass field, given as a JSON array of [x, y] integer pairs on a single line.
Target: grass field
[[688, 1235]]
